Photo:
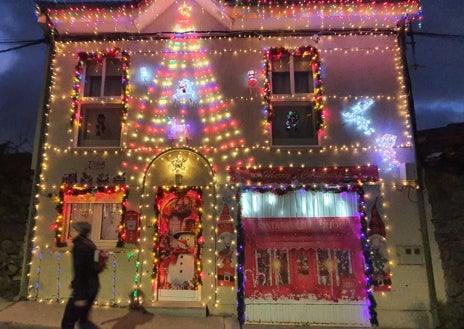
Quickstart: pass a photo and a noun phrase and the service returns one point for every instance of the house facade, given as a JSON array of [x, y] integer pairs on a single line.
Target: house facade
[[254, 159]]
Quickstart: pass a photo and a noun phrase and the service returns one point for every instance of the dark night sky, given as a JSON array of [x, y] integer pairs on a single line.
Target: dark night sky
[[436, 69]]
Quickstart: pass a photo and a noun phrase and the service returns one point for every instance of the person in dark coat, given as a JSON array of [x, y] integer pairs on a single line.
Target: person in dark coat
[[85, 284]]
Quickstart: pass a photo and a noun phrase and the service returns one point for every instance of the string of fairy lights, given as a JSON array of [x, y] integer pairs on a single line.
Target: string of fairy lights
[[326, 13], [235, 100], [141, 155]]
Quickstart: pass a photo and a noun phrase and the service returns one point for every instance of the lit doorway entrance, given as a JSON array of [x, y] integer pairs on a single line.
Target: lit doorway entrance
[[182, 198], [178, 231]]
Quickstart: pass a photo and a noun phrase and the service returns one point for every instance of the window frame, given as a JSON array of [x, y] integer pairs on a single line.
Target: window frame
[[292, 79], [83, 99], [79, 133], [96, 222], [311, 98], [104, 75], [89, 195], [295, 105]]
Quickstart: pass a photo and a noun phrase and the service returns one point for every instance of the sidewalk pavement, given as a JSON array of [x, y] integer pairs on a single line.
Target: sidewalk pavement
[[42, 315]]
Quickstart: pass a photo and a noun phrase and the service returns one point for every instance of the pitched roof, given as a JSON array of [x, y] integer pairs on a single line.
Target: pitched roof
[[85, 17], [228, 2]]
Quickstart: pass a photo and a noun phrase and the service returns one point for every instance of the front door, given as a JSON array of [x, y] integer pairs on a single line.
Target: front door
[[179, 229]]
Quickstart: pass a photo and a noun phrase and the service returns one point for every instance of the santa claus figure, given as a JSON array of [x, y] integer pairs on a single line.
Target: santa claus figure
[[226, 249], [381, 278]]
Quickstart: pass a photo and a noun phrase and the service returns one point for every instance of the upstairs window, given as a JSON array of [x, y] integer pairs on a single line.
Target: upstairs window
[[103, 77], [294, 96], [100, 125], [293, 124], [292, 75], [100, 99]]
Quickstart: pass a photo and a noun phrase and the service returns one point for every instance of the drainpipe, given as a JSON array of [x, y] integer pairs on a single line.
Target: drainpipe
[[421, 181], [37, 156]]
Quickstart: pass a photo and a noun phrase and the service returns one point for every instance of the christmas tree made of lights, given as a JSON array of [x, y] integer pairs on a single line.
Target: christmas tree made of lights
[[191, 109]]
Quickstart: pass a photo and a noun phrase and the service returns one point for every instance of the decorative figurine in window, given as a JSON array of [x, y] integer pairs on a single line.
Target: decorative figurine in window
[[101, 124], [293, 118]]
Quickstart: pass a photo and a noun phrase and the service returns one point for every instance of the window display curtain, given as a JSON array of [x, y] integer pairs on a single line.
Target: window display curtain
[[299, 203]]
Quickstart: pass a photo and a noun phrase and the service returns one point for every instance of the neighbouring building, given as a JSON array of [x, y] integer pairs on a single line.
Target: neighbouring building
[[15, 187], [441, 153], [254, 158]]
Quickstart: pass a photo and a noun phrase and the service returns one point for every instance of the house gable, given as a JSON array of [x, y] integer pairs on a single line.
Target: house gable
[[143, 16], [122, 17], [171, 19]]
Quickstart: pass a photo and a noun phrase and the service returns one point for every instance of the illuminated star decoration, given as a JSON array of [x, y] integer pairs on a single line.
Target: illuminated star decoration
[[386, 145], [185, 10], [178, 164], [357, 116]]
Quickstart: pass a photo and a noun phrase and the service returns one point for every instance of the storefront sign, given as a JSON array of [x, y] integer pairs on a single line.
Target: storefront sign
[[288, 175], [319, 225]]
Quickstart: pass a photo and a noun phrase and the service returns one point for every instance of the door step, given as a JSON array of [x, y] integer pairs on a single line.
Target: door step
[[175, 308]]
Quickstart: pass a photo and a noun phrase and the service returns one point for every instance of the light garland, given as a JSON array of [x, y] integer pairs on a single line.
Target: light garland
[[98, 56], [220, 52], [65, 189], [303, 51], [238, 14]]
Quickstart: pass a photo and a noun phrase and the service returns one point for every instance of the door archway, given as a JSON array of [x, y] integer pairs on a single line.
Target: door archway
[[194, 168], [175, 182]]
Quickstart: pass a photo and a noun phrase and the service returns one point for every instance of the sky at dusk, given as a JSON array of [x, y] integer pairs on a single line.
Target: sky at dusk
[[435, 64]]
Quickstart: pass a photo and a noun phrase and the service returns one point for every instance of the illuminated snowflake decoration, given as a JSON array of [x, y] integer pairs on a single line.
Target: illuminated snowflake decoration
[[386, 145], [356, 115]]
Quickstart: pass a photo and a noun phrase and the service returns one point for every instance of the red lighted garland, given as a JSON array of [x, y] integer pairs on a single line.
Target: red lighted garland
[[73, 190], [99, 56], [273, 54]]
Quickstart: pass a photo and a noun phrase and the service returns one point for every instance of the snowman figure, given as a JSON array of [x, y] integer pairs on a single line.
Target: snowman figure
[[183, 242], [181, 269]]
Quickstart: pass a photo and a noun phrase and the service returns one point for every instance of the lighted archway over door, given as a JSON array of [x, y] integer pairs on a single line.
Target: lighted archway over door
[[181, 182]]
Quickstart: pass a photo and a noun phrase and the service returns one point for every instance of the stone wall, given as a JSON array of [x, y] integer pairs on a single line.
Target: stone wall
[[446, 195], [15, 188], [442, 156]]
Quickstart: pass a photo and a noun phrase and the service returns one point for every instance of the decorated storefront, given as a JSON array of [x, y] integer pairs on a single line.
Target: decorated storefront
[[305, 254]]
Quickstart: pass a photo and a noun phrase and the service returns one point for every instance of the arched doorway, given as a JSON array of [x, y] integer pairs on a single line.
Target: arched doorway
[[180, 182]]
